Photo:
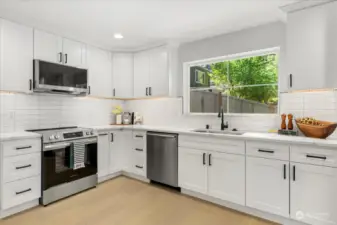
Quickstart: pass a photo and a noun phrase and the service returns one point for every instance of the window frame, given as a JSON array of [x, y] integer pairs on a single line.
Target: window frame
[[186, 79]]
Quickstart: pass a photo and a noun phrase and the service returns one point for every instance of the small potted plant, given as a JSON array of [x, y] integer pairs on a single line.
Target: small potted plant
[[118, 112]]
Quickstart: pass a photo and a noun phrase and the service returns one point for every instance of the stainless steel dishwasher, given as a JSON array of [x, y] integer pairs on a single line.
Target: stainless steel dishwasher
[[162, 158]]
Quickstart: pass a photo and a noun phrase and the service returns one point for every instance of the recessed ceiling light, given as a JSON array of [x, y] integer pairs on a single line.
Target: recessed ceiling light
[[118, 36]]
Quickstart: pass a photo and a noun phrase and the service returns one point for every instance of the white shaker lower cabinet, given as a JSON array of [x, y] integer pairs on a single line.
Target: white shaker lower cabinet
[[119, 146], [226, 177], [103, 148], [267, 185], [313, 194], [193, 170]]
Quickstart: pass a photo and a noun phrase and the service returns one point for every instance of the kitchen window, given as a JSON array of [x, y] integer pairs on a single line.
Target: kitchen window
[[241, 84]]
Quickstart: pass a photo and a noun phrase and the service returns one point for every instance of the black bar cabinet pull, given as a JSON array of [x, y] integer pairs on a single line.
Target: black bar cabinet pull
[[60, 54], [89, 90], [104, 134], [209, 159], [30, 84], [291, 80], [316, 157], [204, 158], [25, 147], [112, 137], [114, 92], [150, 91], [285, 171], [65, 58], [24, 191], [147, 91], [294, 173], [139, 149], [139, 167], [139, 136], [22, 167], [266, 151]]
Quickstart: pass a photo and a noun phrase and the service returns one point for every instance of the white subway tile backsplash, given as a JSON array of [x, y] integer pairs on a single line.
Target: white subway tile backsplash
[[21, 112]]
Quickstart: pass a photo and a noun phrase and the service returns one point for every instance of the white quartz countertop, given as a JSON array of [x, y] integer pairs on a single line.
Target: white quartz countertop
[[249, 136], [18, 135]]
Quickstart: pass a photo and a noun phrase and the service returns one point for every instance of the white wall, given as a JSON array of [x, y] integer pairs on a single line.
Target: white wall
[[21, 111]]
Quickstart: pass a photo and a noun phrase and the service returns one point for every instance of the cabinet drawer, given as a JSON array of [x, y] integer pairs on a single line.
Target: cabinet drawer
[[19, 147], [213, 144], [21, 191], [139, 135], [313, 155], [139, 163], [22, 166], [267, 150]]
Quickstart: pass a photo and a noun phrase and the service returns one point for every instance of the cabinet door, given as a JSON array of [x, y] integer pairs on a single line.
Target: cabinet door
[[73, 53], [47, 47], [99, 69], [141, 74], [159, 79], [267, 185], [116, 150], [226, 177], [103, 154], [16, 57], [313, 194], [122, 70], [193, 170], [310, 46]]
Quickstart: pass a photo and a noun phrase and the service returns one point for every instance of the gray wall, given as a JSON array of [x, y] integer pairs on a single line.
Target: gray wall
[[261, 37]]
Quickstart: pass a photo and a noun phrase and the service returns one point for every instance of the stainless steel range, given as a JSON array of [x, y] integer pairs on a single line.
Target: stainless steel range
[[69, 162]]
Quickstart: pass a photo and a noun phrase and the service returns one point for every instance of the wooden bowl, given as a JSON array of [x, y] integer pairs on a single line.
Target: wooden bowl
[[317, 131]]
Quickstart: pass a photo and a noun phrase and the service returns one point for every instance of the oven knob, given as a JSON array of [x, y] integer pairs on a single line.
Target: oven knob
[[52, 137], [88, 133], [92, 132], [57, 137]]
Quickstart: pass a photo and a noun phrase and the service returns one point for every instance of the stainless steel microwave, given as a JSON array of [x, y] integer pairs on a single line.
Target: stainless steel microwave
[[59, 79]]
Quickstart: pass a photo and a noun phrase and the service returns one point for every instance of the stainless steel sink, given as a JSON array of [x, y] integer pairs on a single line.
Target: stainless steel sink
[[218, 132]]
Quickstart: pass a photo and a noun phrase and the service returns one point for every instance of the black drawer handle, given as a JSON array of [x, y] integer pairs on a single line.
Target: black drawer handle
[[139, 167], [30, 84], [25, 147], [139, 136], [209, 159], [103, 134], [139, 149], [204, 158], [291, 80], [266, 151], [24, 191], [316, 157], [23, 167], [284, 171]]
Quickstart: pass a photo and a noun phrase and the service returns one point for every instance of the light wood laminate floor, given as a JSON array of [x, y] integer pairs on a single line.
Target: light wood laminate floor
[[123, 201]]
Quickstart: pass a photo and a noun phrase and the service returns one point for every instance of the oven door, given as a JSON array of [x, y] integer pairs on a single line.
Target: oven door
[[58, 163]]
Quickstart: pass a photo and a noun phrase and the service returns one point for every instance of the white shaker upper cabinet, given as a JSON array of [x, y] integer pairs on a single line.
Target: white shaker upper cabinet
[[267, 185], [193, 170], [312, 48], [47, 47], [313, 194], [141, 74], [122, 71], [16, 57], [159, 79], [99, 72], [226, 177], [73, 53]]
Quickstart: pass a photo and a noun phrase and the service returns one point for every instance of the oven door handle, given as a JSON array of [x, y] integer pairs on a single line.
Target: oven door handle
[[55, 146]]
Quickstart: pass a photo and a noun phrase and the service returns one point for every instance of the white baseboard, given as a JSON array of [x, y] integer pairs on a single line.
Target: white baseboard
[[135, 176], [108, 177], [243, 209], [19, 208]]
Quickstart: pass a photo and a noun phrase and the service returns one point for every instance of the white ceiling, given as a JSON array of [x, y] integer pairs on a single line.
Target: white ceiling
[[143, 23]]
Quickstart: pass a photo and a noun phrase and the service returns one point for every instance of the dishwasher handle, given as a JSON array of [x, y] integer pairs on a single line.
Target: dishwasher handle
[[162, 135]]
